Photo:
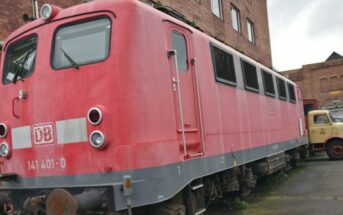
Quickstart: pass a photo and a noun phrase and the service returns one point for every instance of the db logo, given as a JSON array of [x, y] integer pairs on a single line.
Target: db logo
[[43, 133]]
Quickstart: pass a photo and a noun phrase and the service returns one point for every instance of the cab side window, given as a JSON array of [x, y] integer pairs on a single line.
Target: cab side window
[[321, 119], [20, 60]]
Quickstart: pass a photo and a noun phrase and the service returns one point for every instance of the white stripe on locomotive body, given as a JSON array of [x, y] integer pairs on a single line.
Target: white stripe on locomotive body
[[21, 137], [71, 131], [67, 131]]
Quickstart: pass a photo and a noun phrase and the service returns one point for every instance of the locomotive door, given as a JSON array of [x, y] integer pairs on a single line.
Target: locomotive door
[[186, 91]]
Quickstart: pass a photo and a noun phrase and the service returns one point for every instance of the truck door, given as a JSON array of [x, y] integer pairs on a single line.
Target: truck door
[[184, 83], [320, 131]]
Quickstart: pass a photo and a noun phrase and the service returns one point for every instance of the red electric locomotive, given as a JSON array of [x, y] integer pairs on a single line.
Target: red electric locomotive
[[113, 105]]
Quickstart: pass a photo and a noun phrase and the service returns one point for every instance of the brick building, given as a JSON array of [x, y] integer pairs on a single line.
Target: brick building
[[12, 12], [242, 24], [321, 81]]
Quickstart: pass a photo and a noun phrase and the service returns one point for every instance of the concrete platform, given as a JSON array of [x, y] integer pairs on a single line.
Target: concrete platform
[[315, 188]]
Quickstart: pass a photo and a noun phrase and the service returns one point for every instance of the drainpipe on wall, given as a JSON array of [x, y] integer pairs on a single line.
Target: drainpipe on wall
[[1, 45], [35, 9]]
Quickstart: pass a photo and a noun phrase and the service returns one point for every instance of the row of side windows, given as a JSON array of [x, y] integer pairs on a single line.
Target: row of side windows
[[224, 69]]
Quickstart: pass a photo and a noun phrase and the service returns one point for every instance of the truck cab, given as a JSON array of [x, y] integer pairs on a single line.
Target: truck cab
[[325, 133]]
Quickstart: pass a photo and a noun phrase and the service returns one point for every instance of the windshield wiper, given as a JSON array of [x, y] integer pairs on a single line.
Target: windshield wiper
[[71, 61], [21, 66]]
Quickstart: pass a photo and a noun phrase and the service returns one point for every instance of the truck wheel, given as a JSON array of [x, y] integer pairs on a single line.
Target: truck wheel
[[334, 149]]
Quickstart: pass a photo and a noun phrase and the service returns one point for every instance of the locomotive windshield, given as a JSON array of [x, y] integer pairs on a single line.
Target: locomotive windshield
[[82, 43], [20, 60]]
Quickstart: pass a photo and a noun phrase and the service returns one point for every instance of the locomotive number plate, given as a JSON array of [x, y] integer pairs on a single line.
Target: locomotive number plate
[[43, 133], [47, 164]]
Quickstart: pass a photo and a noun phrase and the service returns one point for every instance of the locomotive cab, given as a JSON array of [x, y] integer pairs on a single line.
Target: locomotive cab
[[82, 110], [54, 109]]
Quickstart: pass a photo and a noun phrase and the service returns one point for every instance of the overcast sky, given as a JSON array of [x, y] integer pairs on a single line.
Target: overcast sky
[[304, 31]]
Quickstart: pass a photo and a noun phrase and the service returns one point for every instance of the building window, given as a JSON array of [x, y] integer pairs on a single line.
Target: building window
[[223, 66], [250, 76], [291, 92], [268, 83], [251, 31], [179, 44], [235, 19], [324, 84], [281, 88], [216, 6]]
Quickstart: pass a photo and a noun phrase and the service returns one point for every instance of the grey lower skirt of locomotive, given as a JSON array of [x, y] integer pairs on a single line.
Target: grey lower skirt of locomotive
[[193, 199]]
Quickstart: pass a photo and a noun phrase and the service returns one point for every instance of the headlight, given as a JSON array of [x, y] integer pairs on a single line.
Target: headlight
[[46, 11], [94, 116], [4, 150], [97, 139], [3, 130]]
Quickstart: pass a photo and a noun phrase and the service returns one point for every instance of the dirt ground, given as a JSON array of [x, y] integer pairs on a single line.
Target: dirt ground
[[315, 188]]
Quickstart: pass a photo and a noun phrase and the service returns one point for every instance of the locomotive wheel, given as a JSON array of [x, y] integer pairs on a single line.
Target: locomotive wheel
[[60, 202], [335, 150]]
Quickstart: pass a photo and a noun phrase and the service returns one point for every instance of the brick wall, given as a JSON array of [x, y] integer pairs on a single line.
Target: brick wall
[[11, 12], [321, 81], [199, 13], [254, 10]]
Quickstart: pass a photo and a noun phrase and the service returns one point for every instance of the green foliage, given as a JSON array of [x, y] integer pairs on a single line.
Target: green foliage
[[158, 3], [237, 203]]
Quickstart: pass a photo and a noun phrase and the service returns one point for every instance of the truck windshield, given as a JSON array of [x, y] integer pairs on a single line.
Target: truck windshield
[[20, 60], [336, 117]]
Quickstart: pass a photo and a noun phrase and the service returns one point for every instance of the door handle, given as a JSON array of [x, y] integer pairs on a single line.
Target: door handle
[[21, 96], [13, 107]]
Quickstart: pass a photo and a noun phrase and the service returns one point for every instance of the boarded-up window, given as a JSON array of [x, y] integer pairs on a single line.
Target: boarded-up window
[[324, 84], [334, 83]]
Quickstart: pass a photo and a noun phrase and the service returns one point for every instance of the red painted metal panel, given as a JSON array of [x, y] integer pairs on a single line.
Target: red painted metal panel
[[133, 86]]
